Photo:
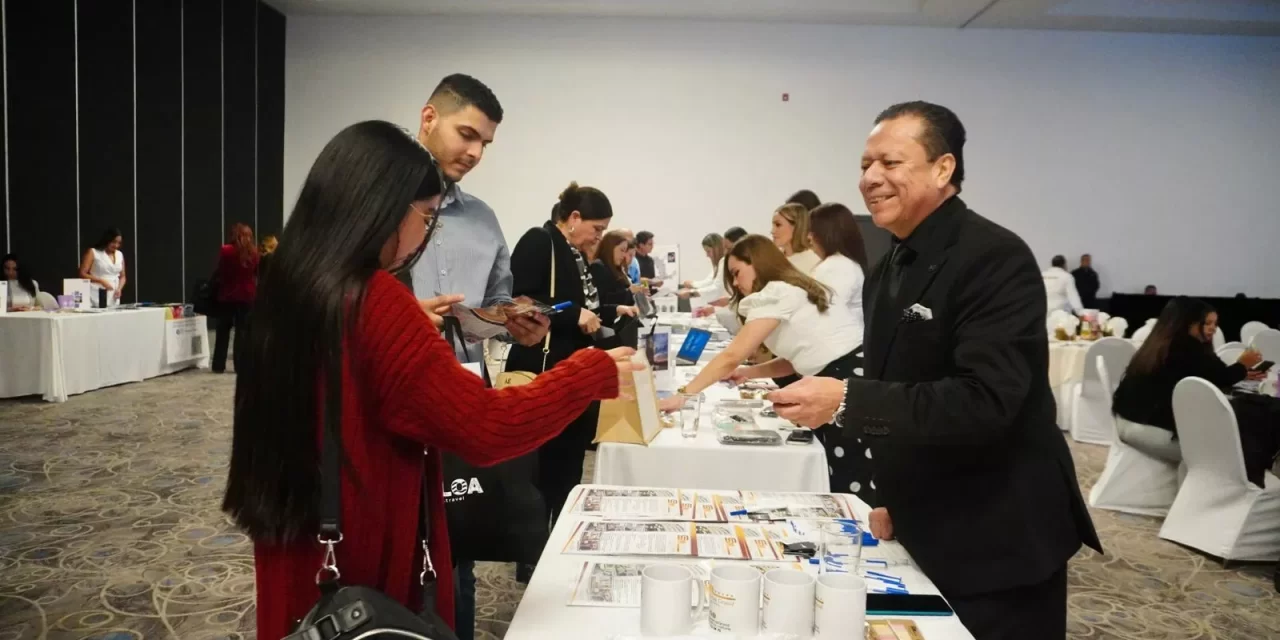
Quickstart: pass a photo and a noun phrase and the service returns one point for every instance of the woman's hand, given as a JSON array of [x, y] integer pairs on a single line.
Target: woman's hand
[[881, 524], [588, 322], [1255, 375], [119, 292], [438, 307], [687, 284], [684, 293], [738, 376], [671, 404], [625, 310], [626, 367], [1250, 358], [106, 285]]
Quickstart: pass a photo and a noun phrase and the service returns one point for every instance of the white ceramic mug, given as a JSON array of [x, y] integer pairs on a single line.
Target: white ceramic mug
[[788, 602], [840, 607], [665, 593], [733, 605]]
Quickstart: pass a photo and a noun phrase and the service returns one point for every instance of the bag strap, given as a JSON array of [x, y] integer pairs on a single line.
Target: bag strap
[[546, 342], [331, 476]]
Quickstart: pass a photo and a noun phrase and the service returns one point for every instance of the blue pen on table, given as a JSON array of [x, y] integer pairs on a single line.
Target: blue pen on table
[[891, 590], [885, 576]]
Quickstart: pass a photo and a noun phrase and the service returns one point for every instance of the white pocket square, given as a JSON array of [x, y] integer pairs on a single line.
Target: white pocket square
[[917, 313]]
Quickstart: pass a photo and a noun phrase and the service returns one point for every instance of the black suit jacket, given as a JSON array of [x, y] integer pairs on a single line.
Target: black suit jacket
[[958, 413]]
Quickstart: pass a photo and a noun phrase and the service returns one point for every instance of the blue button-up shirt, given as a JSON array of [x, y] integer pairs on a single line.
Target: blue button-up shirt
[[467, 255]]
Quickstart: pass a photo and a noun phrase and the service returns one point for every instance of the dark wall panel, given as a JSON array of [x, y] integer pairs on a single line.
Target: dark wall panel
[[4, 161], [106, 127], [239, 62], [271, 196], [203, 231], [42, 124], [159, 78]]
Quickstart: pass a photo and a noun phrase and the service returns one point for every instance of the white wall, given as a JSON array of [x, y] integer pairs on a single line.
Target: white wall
[[1155, 153]]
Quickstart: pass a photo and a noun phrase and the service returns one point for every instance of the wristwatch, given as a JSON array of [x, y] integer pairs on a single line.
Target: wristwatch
[[837, 418]]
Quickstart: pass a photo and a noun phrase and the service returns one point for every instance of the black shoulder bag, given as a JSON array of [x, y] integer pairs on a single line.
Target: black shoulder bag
[[358, 612]]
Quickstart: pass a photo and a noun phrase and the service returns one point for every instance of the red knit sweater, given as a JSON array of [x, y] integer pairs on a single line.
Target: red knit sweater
[[403, 389]]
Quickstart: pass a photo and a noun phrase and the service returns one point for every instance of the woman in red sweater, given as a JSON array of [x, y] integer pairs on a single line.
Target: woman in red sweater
[[237, 278], [331, 300]]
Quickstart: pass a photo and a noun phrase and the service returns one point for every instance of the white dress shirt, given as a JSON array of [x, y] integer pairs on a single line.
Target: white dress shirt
[[844, 277], [1060, 288], [710, 288], [805, 261], [805, 337]]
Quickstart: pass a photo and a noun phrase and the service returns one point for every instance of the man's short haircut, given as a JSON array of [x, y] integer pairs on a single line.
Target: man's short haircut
[[943, 132], [735, 234], [459, 91], [644, 237], [1059, 261]]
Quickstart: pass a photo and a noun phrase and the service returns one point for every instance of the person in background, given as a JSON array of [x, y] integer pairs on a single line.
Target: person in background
[[710, 288], [552, 255], [22, 288], [1181, 346], [468, 254], [330, 303], [268, 247], [608, 272], [237, 276], [732, 235], [655, 271], [1150, 290], [956, 392], [791, 235], [805, 198], [1060, 288], [103, 265], [633, 265], [1087, 283]]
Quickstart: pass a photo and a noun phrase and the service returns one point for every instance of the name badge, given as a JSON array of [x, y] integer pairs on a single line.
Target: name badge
[[474, 367]]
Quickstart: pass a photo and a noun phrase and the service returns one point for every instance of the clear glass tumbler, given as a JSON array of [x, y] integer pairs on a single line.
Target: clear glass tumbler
[[841, 549], [690, 416]]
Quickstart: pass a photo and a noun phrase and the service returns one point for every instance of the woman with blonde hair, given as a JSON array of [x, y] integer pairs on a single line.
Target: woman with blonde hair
[[710, 288], [790, 233]]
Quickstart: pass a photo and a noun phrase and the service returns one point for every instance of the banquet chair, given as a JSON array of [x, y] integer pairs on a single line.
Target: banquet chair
[[1059, 317], [1218, 340], [1218, 510], [46, 301], [1267, 342], [1118, 327], [1141, 475], [1230, 352], [1091, 401], [1251, 329], [1145, 330]]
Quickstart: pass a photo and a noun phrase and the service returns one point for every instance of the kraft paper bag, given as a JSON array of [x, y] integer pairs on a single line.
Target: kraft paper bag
[[631, 421]]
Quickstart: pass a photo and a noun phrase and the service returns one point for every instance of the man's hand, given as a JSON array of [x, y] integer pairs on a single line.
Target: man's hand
[[528, 330], [881, 525], [438, 307], [809, 402]]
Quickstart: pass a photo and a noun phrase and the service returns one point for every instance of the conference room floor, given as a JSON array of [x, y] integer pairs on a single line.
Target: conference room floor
[[110, 528]]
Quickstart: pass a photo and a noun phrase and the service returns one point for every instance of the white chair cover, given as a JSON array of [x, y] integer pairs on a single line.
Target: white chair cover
[[46, 301], [1118, 327], [1267, 342], [1134, 481], [1251, 329], [1230, 352], [1218, 510], [1218, 340], [1145, 330], [1091, 406], [1057, 318]]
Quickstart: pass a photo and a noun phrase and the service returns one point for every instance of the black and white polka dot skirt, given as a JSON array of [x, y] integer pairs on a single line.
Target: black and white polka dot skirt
[[849, 463]]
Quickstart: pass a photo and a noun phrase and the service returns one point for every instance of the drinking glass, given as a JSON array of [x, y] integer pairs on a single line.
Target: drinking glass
[[841, 550]]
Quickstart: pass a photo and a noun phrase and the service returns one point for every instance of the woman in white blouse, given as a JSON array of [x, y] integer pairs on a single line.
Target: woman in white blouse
[[103, 265], [22, 289], [710, 289], [834, 235], [790, 233]]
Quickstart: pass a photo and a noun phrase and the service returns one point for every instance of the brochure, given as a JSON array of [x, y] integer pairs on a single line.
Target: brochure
[[632, 539], [664, 504]]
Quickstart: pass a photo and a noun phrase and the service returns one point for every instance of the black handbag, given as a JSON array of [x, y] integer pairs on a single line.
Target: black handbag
[[496, 514], [358, 612]]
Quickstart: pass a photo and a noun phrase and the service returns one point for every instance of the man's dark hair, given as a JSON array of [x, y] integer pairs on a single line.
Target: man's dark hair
[[459, 91], [643, 237], [805, 198], [1085, 255], [1059, 261], [735, 234], [943, 132]]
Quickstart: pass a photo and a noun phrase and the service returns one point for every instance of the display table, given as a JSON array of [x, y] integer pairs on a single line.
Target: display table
[[544, 613], [57, 355]]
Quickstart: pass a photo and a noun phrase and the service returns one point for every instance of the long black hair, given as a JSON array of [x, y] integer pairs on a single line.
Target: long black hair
[[108, 235], [24, 278], [351, 205], [835, 230], [1174, 323]]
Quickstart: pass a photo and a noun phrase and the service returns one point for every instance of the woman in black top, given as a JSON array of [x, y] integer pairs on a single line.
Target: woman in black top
[[1181, 346], [555, 250], [609, 271]]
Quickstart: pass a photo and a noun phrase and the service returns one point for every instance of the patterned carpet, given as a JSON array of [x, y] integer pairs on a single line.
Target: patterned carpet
[[110, 530]]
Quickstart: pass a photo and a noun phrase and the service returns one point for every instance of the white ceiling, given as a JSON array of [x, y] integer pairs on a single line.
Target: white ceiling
[[1239, 17]]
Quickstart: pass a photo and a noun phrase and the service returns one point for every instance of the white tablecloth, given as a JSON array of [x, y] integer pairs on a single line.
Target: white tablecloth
[[57, 355], [673, 461], [545, 615]]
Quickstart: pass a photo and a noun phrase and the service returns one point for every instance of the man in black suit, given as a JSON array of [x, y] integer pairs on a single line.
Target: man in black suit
[[973, 475], [1087, 283]]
